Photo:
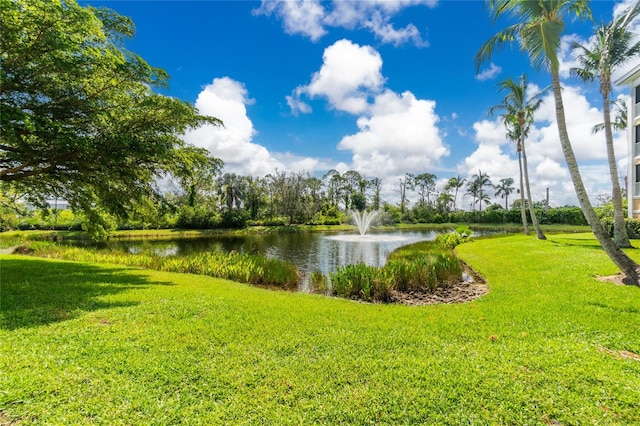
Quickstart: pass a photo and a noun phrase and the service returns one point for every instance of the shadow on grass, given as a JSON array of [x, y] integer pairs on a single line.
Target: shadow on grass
[[577, 242], [36, 292]]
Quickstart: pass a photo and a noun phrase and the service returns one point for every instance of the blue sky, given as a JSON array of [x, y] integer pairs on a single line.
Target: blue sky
[[383, 87]]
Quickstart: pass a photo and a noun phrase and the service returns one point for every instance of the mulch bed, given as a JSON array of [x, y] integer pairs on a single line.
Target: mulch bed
[[470, 288]]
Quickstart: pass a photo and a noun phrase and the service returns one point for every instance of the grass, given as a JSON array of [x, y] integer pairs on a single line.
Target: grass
[[86, 344]]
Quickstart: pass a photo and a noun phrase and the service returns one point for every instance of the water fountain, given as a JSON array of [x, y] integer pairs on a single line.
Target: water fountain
[[363, 219]]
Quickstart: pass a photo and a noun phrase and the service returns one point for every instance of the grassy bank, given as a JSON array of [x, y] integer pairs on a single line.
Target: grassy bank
[[84, 344]]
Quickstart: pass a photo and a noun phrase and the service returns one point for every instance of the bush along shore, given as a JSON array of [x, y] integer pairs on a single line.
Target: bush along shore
[[419, 273], [422, 273]]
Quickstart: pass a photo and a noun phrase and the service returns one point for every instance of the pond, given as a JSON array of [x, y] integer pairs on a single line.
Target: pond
[[309, 251]]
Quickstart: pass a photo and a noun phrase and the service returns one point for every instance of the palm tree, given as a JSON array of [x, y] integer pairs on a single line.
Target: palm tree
[[611, 48], [474, 190], [504, 189], [477, 185], [518, 117], [539, 32], [231, 188], [455, 183], [620, 122]]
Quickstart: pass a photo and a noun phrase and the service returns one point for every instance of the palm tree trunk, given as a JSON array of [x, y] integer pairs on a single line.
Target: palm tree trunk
[[622, 261], [532, 210], [455, 200], [620, 236], [523, 212]]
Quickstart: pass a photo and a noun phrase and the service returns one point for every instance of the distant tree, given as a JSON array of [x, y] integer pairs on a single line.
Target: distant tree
[[444, 201], [611, 47], [78, 116], [232, 190], [455, 183], [255, 198], [504, 189], [404, 183], [358, 201], [476, 187], [425, 183], [376, 185]]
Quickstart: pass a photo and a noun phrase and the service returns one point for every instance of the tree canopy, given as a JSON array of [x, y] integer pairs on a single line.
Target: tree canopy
[[79, 116]]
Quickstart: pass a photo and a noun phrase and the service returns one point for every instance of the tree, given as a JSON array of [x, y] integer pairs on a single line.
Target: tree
[[78, 116], [504, 189], [517, 118], [611, 47], [620, 120], [539, 32], [444, 201], [232, 190], [255, 196], [196, 173], [376, 185], [426, 185], [335, 184], [476, 188], [455, 183], [404, 183]]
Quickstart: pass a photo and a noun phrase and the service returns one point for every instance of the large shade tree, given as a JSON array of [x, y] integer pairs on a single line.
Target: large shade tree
[[79, 117], [611, 46], [538, 30], [518, 110]]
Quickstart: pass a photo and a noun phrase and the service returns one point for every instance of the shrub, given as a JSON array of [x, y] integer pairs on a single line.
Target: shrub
[[362, 281], [449, 240], [318, 282], [633, 227]]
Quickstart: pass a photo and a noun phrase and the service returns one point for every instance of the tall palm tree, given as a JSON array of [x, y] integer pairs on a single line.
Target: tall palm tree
[[518, 117], [504, 189], [455, 183], [539, 32], [611, 48]]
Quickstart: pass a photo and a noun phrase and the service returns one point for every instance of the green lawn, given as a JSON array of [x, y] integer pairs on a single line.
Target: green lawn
[[86, 344]]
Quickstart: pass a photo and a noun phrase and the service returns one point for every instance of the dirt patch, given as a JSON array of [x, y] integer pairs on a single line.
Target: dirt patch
[[468, 288], [620, 354], [617, 279]]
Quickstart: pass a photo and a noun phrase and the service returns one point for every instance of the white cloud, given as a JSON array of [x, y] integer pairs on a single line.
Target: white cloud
[[299, 16], [401, 135], [227, 99], [567, 56], [350, 73], [490, 73], [397, 133], [310, 18]]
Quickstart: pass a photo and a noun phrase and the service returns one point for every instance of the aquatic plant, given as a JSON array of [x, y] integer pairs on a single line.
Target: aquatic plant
[[241, 267]]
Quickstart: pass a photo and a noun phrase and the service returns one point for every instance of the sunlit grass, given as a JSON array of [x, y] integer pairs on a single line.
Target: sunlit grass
[[83, 344]]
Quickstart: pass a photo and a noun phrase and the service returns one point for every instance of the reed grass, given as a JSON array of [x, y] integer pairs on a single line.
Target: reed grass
[[241, 267]]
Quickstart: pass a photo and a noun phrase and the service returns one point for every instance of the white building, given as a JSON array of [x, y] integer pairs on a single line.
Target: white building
[[632, 79]]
